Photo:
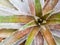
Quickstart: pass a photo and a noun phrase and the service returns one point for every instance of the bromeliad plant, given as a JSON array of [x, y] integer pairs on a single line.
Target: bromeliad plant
[[36, 29]]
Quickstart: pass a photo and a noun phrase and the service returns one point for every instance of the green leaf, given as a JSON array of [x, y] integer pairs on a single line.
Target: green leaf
[[15, 19], [54, 16], [31, 36], [54, 19], [38, 8]]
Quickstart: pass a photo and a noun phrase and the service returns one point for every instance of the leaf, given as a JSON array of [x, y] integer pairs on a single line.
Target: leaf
[[47, 35], [15, 19], [53, 16], [15, 37], [42, 3], [22, 43], [31, 6], [6, 3], [55, 32], [3, 13], [38, 40], [16, 3], [45, 43], [20, 5], [6, 8], [22, 40], [54, 19], [31, 36], [24, 30], [55, 27], [4, 33], [38, 8], [44, 17], [49, 6], [12, 10], [9, 10], [57, 40], [30, 24]]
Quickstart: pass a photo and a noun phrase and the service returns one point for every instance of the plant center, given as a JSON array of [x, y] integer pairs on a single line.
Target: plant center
[[41, 21]]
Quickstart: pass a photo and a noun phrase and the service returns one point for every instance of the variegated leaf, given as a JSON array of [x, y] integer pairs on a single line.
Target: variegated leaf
[[57, 39], [49, 6], [31, 36], [48, 36], [4, 33], [15, 19], [31, 6], [54, 19], [15, 37], [38, 40], [18, 34]]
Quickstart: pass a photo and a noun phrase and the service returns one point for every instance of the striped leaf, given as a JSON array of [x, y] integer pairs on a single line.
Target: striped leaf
[[31, 36], [15, 19], [54, 19], [48, 36]]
